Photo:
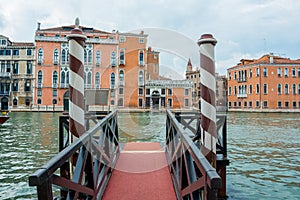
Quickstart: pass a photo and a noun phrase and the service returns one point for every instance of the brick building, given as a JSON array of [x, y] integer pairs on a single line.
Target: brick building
[[16, 75], [268, 83]]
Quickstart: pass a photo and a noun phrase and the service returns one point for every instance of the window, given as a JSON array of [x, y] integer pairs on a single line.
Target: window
[[113, 60], [39, 93], [39, 101], [186, 102], [299, 89], [141, 58], [265, 88], [121, 90], [257, 104], [122, 57], [29, 67], [40, 79], [97, 80], [87, 78], [229, 91], [170, 102], [63, 56], [120, 102], [15, 86], [16, 52], [141, 91], [85, 56], [141, 78], [257, 72], [148, 91], [293, 72], [265, 71], [121, 77], [279, 104], [140, 102], [163, 91], [287, 104], [286, 89], [141, 40], [55, 57], [286, 72], [29, 52], [54, 79], [16, 67], [27, 86], [170, 92], [54, 93], [279, 72], [122, 39], [186, 92], [250, 89], [257, 88], [98, 58], [294, 89], [40, 56], [90, 57], [279, 89], [265, 104], [298, 72], [250, 73], [112, 80]]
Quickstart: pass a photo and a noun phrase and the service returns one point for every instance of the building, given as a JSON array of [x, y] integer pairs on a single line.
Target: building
[[119, 68], [194, 76], [270, 83], [17, 67]]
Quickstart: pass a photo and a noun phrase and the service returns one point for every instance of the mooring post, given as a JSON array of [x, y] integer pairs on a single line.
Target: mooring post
[[208, 97], [76, 86]]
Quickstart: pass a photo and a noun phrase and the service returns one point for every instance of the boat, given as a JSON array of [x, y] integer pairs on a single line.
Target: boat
[[3, 117]]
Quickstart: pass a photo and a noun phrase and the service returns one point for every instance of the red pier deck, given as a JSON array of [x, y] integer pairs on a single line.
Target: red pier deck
[[141, 172]]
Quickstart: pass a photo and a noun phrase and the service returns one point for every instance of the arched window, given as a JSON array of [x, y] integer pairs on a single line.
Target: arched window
[[286, 88], [141, 58], [62, 78], [90, 56], [121, 77], [97, 80], [112, 80], [63, 56], [40, 56], [55, 57], [40, 78], [113, 60], [279, 88], [85, 56], [89, 78], [98, 58], [141, 78], [54, 79]]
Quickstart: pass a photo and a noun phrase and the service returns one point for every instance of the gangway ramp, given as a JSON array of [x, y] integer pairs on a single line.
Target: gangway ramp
[[141, 172]]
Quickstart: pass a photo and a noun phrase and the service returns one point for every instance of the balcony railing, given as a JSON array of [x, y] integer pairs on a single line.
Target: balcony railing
[[241, 95], [5, 74]]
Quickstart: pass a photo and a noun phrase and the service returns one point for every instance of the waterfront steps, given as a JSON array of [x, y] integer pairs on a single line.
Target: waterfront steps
[[141, 172]]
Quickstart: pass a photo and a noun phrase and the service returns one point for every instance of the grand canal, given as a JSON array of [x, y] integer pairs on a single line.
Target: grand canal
[[263, 149]]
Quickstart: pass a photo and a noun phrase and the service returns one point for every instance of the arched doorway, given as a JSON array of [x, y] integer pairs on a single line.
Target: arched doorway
[[4, 103], [155, 96], [66, 101]]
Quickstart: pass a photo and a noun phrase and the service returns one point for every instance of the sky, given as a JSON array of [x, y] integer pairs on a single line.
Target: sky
[[243, 28]]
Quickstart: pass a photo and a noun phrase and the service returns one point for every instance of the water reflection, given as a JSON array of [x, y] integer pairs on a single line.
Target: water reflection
[[264, 153], [27, 141]]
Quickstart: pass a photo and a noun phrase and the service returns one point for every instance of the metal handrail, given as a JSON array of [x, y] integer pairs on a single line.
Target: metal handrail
[[193, 176], [93, 156]]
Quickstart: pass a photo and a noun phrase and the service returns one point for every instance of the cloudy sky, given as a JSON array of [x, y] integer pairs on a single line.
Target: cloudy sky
[[243, 28]]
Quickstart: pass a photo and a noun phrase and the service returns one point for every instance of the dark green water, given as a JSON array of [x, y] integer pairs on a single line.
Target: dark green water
[[264, 150]]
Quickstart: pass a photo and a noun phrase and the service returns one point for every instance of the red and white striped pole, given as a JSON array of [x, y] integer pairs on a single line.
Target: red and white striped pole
[[208, 97], [76, 85]]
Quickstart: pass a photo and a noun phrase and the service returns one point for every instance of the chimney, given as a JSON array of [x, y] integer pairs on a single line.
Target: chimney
[[38, 26], [271, 58]]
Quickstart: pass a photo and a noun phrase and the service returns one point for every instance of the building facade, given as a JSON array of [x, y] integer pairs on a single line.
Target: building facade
[[117, 68], [268, 83], [17, 73]]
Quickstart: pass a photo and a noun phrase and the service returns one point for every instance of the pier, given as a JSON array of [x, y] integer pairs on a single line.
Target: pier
[[98, 166]]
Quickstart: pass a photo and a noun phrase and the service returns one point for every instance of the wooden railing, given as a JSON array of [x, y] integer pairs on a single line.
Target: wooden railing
[[193, 177], [91, 158]]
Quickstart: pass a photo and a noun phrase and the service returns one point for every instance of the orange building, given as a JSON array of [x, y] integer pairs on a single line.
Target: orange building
[[270, 83], [117, 63]]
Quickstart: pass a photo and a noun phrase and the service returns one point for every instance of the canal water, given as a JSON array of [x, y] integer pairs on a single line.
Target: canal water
[[263, 149]]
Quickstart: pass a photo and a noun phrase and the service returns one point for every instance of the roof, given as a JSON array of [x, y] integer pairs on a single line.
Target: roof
[[266, 59], [70, 27], [22, 44]]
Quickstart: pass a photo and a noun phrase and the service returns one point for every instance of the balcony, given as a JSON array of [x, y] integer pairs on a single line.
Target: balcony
[[122, 62], [141, 63], [55, 85], [5, 74], [64, 85], [241, 95], [241, 80]]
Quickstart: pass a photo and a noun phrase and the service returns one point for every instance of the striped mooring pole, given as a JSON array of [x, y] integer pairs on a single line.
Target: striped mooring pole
[[76, 85], [208, 97]]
